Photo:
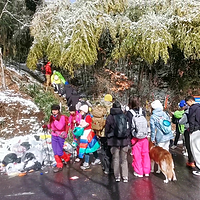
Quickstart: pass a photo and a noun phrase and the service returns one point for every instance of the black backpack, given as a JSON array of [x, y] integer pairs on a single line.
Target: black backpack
[[175, 120], [121, 126]]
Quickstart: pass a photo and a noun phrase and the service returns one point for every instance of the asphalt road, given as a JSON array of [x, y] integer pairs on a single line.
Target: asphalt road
[[95, 185]]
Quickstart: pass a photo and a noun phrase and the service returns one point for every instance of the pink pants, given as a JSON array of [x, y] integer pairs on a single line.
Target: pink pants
[[141, 160]]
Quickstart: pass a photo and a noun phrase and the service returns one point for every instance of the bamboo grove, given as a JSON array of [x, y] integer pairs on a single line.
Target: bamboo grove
[[70, 35]]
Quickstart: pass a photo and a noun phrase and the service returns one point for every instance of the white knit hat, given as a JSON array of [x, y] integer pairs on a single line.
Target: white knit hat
[[156, 104], [84, 108]]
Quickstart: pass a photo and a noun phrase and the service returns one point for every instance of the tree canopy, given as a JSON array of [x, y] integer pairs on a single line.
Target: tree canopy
[[69, 34]]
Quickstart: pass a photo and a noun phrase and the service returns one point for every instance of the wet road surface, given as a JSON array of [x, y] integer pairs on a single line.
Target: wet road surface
[[95, 185]]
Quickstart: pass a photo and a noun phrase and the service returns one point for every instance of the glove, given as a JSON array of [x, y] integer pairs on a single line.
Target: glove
[[44, 126], [74, 145]]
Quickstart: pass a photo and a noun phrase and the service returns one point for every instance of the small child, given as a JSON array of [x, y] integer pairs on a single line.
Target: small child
[[74, 120]]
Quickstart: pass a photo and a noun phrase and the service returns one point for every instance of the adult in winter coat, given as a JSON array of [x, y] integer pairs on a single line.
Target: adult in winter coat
[[140, 145], [48, 73], [57, 125], [119, 146], [184, 121], [73, 99], [194, 130], [157, 135], [67, 91]]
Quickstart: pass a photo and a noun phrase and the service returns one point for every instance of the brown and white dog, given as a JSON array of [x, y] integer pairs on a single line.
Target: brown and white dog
[[164, 160]]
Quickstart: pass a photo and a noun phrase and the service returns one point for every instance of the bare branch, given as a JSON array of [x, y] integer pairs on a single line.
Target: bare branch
[[4, 8]]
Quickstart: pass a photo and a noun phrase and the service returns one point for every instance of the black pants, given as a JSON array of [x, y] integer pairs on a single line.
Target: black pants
[[187, 144], [106, 157], [177, 136]]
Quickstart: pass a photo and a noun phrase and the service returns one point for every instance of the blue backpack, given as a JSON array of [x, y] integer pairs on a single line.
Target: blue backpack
[[164, 124]]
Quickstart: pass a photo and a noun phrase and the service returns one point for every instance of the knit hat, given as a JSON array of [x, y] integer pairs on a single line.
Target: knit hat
[[182, 103], [108, 97], [55, 107], [84, 108], [66, 83], [72, 108], [116, 104], [156, 104]]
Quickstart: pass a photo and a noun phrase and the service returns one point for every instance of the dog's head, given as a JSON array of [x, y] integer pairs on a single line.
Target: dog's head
[[151, 144]]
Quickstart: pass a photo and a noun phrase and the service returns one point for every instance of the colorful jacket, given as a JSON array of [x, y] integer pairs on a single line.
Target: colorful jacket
[[60, 78], [57, 127], [88, 143]]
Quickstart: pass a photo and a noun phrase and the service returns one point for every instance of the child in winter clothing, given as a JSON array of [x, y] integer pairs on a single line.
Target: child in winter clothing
[[57, 126], [140, 147], [74, 120], [88, 141]]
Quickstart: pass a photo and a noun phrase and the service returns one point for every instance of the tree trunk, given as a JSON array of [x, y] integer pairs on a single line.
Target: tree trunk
[[2, 71], [140, 78]]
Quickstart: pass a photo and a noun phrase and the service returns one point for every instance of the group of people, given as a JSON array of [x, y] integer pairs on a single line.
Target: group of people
[[123, 129], [187, 120], [56, 79]]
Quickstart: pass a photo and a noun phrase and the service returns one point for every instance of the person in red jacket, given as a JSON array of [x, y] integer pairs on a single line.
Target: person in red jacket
[[48, 73]]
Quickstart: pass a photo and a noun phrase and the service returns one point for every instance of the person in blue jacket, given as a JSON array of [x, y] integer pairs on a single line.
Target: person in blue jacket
[[157, 135]]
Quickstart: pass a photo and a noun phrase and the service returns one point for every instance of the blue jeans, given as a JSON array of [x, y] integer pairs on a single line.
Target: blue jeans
[[87, 156]]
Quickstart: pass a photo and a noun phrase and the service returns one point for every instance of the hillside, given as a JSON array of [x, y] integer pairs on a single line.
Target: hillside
[[19, 114]]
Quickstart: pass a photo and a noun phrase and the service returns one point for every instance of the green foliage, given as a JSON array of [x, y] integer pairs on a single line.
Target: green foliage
[[42, 99], [148, 39]]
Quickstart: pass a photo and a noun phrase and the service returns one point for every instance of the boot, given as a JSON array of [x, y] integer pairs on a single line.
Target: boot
[[65, 156], [57, 169], [59, 165]]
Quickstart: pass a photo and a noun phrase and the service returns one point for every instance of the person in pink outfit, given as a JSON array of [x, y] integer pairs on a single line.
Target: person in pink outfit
[[140, 145], [57, 125], [74, 120]]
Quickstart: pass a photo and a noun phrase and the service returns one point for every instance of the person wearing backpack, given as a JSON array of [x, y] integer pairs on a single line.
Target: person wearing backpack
[[57, 125], [140, 144], [117, 131], [57, 80], [160, 126], [179, 127]]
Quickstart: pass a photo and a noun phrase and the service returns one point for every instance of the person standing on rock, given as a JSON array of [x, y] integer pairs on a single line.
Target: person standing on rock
[[57, 125]]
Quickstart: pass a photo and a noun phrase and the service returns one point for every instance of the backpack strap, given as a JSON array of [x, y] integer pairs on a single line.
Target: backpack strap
[[140, 111], [133, 112]]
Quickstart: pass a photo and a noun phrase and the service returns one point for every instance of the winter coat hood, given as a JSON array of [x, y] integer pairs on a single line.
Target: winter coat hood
[[158, 112], [116, 111]]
